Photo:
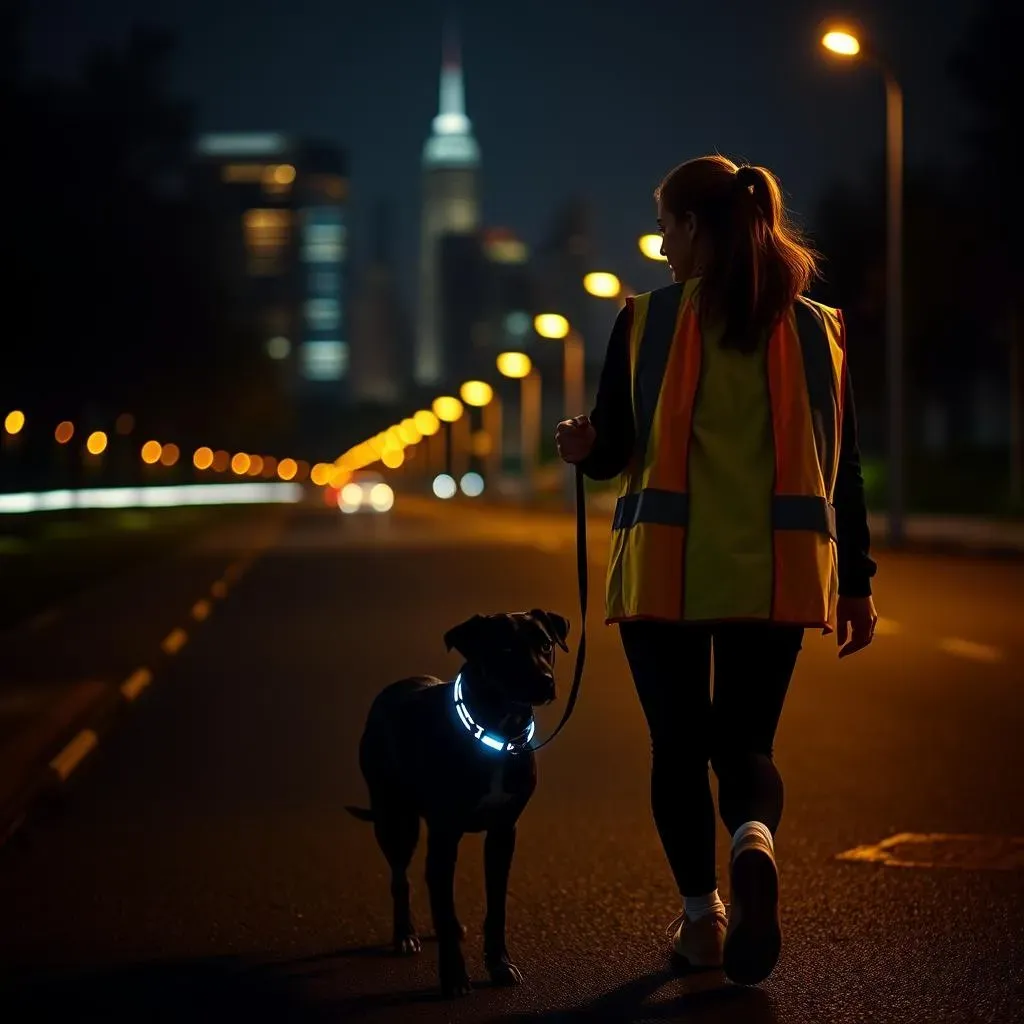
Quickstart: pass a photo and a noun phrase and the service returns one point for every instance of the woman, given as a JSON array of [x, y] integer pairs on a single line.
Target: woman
[[726, 405]]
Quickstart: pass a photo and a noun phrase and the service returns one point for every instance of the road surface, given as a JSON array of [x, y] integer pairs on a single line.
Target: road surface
[[198, 864]]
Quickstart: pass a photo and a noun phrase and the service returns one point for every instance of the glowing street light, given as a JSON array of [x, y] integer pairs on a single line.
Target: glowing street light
[[517, 365], [96, 442], [477, 393], [602, 285], [426, 422], [14, 421], [64, 432], [203, 458], [514, 364], [151, 452], [447, 409], [650, 246], [842, 42], [553, 326]]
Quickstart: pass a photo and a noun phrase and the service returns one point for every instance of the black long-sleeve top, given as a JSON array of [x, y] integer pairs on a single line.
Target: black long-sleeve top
[[612, 418]]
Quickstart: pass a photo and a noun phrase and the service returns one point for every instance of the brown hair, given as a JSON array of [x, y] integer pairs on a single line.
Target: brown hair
[[757, 263]]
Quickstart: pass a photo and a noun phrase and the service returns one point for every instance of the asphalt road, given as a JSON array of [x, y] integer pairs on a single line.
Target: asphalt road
[[199, 865]]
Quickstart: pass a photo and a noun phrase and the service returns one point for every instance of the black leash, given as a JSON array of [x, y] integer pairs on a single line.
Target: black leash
[[581, 576]]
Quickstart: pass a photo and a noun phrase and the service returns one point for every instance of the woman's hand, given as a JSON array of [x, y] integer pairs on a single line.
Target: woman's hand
[[575, 438], [855, 622]]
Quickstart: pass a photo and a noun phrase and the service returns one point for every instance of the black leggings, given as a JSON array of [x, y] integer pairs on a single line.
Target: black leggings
[[734, 730]]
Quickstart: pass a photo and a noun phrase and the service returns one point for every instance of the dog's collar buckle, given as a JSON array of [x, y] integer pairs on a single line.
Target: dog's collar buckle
[[513, 745]]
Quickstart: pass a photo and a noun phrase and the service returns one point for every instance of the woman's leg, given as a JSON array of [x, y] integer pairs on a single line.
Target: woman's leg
[[671, 667], [753, 666]]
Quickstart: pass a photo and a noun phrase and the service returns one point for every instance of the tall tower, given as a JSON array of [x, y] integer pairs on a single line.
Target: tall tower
[[451, 165]]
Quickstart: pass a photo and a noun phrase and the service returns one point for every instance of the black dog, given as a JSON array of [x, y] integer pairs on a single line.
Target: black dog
[[457, 754]]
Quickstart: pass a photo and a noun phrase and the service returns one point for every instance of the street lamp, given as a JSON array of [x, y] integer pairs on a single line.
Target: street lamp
[[845, 43], [448, 410], [555, 327], [650, 246], [480, 395], [518, 366], [603, 285]]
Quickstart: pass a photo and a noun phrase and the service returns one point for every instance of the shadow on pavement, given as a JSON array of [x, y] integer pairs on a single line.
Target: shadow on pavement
[[706, 997]]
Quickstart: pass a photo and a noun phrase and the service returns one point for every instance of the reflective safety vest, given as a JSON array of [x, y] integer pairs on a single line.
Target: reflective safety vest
[[650, 536]]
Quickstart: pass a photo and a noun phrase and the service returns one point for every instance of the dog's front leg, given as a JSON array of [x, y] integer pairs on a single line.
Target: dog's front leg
[[499, 846], [442, 853]]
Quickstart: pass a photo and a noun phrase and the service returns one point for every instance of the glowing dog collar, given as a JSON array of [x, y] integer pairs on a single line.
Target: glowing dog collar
[[514, 745]]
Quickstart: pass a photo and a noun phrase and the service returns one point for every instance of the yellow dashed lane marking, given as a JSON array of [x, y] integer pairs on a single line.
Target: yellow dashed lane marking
[[201, 609], [969, 649], [74, 753], [136, 683], [174, 641]]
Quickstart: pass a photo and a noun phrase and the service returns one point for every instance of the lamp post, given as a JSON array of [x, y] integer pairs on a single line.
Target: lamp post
[[556, 327], [448, 410], [844, 43], [480, 395], [517, 365]]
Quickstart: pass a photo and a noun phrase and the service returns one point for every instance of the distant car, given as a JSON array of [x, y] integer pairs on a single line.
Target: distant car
[[366, 492]]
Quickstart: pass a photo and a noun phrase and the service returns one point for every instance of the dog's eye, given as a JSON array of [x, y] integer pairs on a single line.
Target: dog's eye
[[545, 648]]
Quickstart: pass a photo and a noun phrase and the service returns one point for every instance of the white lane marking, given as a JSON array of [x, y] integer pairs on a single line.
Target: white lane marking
[[969, 649], [74, 753], [136, 683]]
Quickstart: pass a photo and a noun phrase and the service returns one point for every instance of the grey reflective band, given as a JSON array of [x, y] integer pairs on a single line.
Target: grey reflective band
[[652, 360], [672, 508], [820, 380]]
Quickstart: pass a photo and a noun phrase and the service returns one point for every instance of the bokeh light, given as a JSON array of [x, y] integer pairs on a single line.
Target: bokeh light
[[841, 42], [477, 393], [64, 432], [203, 458], [151, 452], [240, 463], [170, 455], [287, 468], [255, 465], [96, 442], [350, 497], [602, 285], [426, 422], [650, 246], [444, 486], [382, 497], [320, 474], [514, 364], [472, 485], [14, 421], [393, 457], [221, 461], [551, 325], [447, 409]]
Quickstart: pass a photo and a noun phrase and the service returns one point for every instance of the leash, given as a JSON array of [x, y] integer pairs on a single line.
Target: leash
[[581, 577]]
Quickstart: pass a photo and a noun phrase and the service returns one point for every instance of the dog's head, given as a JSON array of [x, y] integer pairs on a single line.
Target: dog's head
[[514, 652]]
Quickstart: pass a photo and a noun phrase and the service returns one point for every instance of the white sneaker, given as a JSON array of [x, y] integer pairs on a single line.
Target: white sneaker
[[754, 938], [700, 943]]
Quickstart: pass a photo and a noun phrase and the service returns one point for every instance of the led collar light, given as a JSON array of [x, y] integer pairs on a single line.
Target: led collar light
[[515, 745]]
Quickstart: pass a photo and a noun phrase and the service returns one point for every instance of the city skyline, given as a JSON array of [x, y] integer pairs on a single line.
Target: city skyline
[[558, 107]]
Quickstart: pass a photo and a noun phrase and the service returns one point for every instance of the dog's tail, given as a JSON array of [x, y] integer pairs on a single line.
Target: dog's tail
[[360, 812]]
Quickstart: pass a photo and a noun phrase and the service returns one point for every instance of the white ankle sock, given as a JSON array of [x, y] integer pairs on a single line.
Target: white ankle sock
[[752, 834], [700, 906]]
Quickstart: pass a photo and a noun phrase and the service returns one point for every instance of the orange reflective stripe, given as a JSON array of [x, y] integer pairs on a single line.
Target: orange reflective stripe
[[796, 462]]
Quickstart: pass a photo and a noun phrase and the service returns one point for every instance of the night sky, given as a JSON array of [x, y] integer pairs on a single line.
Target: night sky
[[591, 97]]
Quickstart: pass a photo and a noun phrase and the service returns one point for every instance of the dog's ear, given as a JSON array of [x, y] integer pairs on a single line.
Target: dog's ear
[[467, 637], [557, 626]]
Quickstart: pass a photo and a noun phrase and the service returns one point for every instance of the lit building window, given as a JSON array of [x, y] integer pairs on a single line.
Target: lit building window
[[267, 236], [236, 174], [278, 178], [323, 243], [322, 314], [324, 360]]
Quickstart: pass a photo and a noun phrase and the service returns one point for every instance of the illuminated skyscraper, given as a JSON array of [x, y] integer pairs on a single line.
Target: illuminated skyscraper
[[451, 206]]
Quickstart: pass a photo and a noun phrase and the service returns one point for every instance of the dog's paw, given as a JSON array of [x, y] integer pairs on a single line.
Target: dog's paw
[[452, 972], [503, 972], [407, 945]]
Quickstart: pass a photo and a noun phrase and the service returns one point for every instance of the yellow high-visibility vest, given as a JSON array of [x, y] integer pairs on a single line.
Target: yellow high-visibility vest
[[806, 367]]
